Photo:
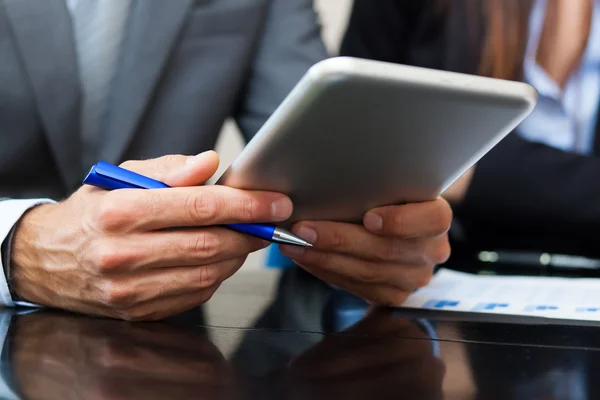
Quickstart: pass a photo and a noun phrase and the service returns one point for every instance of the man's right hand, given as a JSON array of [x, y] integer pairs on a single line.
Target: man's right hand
[[115, 254]]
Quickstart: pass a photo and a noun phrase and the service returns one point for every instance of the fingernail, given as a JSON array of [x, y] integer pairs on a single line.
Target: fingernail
[[293, 251], [197, 159], [373, 221], [308, 234], [281, 208]]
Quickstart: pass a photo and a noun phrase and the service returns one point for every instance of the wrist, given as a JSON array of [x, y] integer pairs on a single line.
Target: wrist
[[27, 253]]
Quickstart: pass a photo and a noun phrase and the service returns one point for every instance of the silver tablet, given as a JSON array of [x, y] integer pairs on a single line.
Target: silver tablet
[[356, 134]]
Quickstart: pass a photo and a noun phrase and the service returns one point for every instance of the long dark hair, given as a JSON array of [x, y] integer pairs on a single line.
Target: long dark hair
[[504, 25]]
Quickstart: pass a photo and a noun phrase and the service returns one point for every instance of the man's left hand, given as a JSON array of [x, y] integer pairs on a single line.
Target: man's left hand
[[383, 260]]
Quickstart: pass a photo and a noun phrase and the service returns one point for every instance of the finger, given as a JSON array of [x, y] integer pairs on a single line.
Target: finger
[[127, 292], [166, 307], [178, 170], [379, 294], [174, 248], [413, 220], [355, 240], [127, 210], [437, 249], [350, 269]]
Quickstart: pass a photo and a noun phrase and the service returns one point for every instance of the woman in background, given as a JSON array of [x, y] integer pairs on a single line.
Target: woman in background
[[539, 189]]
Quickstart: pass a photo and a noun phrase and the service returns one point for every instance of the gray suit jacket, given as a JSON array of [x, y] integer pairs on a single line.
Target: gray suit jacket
[[185, 67]]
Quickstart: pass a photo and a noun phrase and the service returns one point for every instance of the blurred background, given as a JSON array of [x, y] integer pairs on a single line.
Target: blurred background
[[334, 18]]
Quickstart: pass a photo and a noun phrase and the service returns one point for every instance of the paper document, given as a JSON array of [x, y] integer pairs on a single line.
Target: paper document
[[563, 298]]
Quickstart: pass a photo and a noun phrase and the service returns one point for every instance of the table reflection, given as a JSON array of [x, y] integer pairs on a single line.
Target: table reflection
[[393, 353], [64, 356], [61, 356], [350, 365], [311, 342]]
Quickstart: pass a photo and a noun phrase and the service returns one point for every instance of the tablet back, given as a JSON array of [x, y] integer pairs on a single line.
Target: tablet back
[[357, 134]]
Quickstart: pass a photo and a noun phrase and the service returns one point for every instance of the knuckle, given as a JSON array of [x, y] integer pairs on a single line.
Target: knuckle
[[338, 241], [117, 297], [109, 215], [369, 274], [202, 206], [166, 163], [208, 277], [206, 245], [398, 220], [440, 253], [107, 258], [249, 208]]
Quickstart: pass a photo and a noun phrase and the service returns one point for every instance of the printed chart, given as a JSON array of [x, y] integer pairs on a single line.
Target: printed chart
[[562, 298]]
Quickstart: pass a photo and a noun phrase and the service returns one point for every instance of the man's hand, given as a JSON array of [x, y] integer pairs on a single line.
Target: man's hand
[[116, 253], [93, 358], [384, 260]]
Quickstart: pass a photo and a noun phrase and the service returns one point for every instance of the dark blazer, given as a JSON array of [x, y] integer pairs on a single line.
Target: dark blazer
[[185, 66], [523, 195]]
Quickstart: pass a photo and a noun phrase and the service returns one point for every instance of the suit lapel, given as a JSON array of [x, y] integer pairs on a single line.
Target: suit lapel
[[152, 30], [43, 35]]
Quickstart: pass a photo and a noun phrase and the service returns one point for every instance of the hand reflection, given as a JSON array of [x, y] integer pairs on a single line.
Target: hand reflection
[[71, 357], [381, 366]]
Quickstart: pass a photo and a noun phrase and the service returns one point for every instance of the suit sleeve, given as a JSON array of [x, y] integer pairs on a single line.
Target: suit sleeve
[[289, 45], [543, 188]]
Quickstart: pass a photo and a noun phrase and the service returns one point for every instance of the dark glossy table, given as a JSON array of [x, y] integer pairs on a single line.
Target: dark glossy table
[[285, 335]]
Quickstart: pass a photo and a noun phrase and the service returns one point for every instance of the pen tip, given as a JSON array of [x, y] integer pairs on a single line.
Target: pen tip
[[282, 236], [301, 242]]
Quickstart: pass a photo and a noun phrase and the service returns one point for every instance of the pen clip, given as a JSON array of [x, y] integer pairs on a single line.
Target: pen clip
[[110, 177], [109, 171]]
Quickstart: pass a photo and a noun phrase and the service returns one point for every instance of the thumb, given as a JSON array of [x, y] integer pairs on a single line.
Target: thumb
[[178, 170], [194, 170]]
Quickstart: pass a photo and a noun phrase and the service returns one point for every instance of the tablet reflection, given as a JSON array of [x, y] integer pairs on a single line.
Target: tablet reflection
[[351, 364]]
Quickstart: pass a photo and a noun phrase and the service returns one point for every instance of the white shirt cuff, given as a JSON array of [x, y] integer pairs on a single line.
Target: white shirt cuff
[[538, 77], [11, 212]]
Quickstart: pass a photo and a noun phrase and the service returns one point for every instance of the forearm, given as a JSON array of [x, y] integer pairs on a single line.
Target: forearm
[[536, 183], [525, 195]]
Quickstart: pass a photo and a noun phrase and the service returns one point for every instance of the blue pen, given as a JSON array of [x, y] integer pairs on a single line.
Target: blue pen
[[111, 177]]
